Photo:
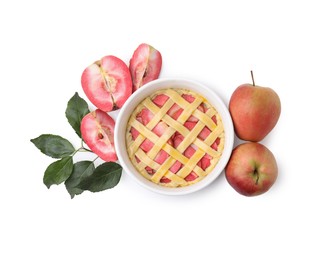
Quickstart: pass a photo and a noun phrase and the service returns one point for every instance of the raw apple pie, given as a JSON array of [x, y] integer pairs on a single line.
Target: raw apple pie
[[175, 137]]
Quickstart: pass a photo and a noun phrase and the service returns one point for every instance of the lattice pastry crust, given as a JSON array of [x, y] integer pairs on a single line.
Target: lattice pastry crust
[[175, 137]]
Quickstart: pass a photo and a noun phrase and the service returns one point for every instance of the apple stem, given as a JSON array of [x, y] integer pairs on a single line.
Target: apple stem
[[252, 77]]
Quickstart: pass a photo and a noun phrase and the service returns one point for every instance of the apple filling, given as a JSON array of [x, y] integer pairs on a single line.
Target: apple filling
[[175, 137]]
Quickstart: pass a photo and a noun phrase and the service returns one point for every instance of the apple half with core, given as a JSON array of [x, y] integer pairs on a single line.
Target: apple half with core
[[107, 83], [252, 169], [97, 130], [255, 111], [145, 65]]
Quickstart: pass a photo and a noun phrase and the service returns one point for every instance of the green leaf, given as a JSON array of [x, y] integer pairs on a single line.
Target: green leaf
[[76, 109], [54, 146], [81, 170], [105, 176], [58, 172]]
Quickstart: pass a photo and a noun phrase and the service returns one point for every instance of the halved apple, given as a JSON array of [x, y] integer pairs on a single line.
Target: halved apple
[[97, 130], [107, 83], [145, 65]]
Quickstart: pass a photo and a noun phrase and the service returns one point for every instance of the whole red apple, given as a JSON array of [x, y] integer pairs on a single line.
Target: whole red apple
[[252, 169], [255, 111]]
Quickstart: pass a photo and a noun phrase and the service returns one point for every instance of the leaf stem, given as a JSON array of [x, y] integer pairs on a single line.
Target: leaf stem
[[82, 149]]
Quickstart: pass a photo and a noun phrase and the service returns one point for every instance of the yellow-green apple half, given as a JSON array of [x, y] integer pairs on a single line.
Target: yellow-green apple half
[[145, 65], [107, 83], [255, 111], [97, 130], [252, 169]]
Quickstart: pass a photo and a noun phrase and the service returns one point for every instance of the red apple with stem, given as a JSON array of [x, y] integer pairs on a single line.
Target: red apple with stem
[[255, 111], [252, 169]]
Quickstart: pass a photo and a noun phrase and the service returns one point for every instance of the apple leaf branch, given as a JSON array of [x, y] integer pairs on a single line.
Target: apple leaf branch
[[82, 175]]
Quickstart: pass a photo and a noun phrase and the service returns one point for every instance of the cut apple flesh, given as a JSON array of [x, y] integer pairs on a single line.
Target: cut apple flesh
[[145, 65], [107, 83], [97, 129]]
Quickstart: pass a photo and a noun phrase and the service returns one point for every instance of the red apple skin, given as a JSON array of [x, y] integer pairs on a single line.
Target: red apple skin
[[252, 169], [255, 111]]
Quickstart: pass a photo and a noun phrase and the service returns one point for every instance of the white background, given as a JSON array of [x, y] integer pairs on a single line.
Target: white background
[[46, 45]]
